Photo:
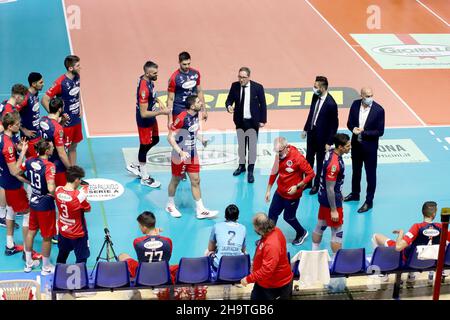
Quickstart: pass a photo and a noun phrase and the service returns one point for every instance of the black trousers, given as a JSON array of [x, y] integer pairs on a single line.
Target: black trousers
[[363, 154], [280, 204], [315, 150], [247, 134], [282, 293]]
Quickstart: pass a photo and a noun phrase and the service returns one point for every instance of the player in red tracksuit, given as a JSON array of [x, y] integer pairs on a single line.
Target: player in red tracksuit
[[290, 166], [72, 204], [272, 275]]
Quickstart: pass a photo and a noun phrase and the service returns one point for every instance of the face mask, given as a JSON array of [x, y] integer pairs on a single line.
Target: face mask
[[317, 91], [368, 101]]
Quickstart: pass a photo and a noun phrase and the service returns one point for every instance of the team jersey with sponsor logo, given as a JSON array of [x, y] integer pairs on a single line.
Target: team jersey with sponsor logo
[[30, 112], [153, 248], [68, 90], [333, 170], [6, 107], [9, 155], [186, 137], [290, 171], [229, 237], [51, 130], [72, 204], [145, 94], [183, 85], [39, 172]]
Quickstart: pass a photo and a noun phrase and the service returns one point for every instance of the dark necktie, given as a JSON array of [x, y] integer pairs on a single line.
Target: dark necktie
[[243, 97], [316, 111]]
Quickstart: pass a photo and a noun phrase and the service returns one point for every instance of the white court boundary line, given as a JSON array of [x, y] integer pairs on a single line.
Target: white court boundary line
[[264, 131], [367, 64], [433, 13], [86, 128]]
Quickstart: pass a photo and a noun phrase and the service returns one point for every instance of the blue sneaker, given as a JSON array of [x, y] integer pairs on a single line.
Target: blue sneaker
[[300, 239], [13, 250]]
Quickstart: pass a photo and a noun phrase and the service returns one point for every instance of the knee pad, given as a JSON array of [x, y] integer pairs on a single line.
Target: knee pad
[[336, 234], [320, 227], [26, 220], [10, 214]]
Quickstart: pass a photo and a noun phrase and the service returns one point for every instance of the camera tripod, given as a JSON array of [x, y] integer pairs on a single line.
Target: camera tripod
[[109, 248]]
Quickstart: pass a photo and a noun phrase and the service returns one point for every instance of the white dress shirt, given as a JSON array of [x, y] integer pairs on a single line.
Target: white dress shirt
[[319, 105], [247, 113], [363, 114]]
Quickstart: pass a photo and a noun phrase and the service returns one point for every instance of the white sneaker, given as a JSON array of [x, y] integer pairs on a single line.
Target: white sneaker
[[45, 271], [134, 169], [170, 208], [208, 214], [29, 268], [150, 182]]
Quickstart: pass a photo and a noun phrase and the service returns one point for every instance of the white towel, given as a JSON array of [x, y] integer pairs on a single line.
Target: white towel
[[313, 267]]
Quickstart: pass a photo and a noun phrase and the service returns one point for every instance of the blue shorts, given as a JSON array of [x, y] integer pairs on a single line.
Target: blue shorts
[[80, 246]]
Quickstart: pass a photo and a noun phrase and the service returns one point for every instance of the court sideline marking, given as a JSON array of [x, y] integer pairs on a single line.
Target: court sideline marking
[[368, 65], [433, 13]]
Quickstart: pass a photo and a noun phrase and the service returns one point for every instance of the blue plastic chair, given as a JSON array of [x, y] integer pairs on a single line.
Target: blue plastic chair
[[70, 277], [349, 261], [414, 263], [447, 257], [386, 258], [112, 275], [151, 274], [194, 270], [295, 269], [233, 268]]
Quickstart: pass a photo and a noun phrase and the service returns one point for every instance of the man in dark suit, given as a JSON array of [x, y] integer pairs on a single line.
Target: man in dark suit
[[247, 102], [366, 121], [320, 127]]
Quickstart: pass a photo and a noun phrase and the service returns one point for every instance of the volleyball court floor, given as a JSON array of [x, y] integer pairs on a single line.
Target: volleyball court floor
[[404, 56]]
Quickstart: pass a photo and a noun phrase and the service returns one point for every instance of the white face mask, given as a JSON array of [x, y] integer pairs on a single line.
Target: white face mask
[[317, 91], [368, 101]]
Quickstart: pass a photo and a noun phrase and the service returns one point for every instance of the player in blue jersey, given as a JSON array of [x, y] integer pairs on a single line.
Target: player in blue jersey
[[330, 194], [146, 112], [183, 83], [41, 174], [228, 237], [30, 113]]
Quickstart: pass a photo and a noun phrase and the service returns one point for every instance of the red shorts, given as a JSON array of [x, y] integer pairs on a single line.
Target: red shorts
[[390, 243], [60, 179], [45, 221], [133, 267], [146, 134], [325, 214], [179, 168], [73, 134], [31, 152], [17, 199]]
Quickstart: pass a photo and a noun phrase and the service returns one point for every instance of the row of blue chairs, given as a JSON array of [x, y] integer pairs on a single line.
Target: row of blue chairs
[[115, 275]]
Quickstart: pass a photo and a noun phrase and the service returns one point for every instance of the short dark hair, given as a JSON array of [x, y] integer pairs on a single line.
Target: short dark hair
[[246, 69], [341, 139], [19, 88], [55, 104], [429, 208], [70, 61], [34, 77], [184, 56], [147, 219], [190, 100], [231, 213], [10, 118], [73, 173], [323, 81], [42, 146], [150, 64]]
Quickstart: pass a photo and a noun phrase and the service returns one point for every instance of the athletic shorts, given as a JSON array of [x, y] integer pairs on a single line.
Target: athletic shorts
[[60, 179], [17, 199], [80, 246], [179, 168], [146, 134], [44, 221], [31, 152], [73, 134], [325, 214]]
